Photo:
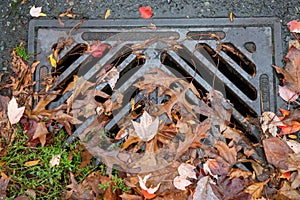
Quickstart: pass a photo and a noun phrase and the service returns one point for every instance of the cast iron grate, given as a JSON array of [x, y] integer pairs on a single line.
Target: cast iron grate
[[232, 57]]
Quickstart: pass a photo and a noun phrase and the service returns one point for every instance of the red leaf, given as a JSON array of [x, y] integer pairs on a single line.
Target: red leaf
[[147, 195], [293, 127], [98, 49], [294, 26], [146, 12]]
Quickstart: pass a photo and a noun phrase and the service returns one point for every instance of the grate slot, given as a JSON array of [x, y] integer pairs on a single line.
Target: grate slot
[[206, 35], [230, 72]]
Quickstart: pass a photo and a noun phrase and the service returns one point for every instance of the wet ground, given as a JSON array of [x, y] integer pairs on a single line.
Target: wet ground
[[15, 16]]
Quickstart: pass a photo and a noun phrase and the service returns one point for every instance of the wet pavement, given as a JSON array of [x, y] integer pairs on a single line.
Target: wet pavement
[[15, 16]]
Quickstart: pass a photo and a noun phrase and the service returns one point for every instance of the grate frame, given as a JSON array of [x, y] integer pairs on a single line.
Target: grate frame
[[264, 32]]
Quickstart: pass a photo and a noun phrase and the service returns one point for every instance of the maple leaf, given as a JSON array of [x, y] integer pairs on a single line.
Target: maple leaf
[[294, 26], [145, 12], [286, 94], [14, 113], [41, 132], [291, 72], [36, 11], [146, 129]]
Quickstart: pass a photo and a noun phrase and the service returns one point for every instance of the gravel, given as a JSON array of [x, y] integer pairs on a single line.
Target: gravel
[[15, 16]]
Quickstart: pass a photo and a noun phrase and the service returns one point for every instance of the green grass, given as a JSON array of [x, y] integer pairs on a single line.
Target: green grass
[[48, 183], [21, 51]]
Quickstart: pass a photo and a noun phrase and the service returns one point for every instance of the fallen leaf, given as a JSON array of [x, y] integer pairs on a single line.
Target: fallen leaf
[[52, 60], [256, 189], [145, 12], [289, 128], [3, 186], [4, 102], [214, 168], [14, 113], [296, 182], [229, 154], [36, 11], [107, 14], [294, 26], [294, 145], [187, 170], [146, 129], [231, 17], [204, 190], [142, 182], [31, 193], [41, 132], [269, 121], [276, 151], [286, 94], [126, 196], [98, 49], [55, 160], [31, 163], [291, 72], [237, 173], [286, 192], [181, 182]]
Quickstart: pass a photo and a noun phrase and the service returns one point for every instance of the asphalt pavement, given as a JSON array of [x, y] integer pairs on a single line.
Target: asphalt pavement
[[15, 16]]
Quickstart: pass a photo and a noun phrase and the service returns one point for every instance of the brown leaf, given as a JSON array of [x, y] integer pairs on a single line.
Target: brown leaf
[[276, 151], [204, 190], [14, 113], [237, 173], [3, 186], [126, 196], [296, 182], [86, 158], [233, 189], [4, 102], [291, 72], [229, 154], [256, 189], [40, 132], [43, 102], [286, 192]]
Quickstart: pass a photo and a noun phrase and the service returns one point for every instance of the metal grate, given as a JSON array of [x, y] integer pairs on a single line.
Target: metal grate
[[232, 57]]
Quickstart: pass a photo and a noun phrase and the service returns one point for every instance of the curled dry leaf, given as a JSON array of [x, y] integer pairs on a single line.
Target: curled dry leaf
[[146, 129], [14, 113], [181, 182], [145, 12], [142, 182], [31, 163], [269, 121], [40, 132], [187, 170], [294, 26], [55, 160], [36, 11], [256, 189]]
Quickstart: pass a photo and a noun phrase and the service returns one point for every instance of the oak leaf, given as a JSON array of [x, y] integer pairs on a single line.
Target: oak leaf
[[14, 113]]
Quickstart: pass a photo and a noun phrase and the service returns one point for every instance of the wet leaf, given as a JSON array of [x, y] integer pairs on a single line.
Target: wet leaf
[[181, 182], [14, 113], [36, 11], [291, 72], [256, 189], [146, 129], [286, 94], [276, 152], [41, 132], [204, 190], [107, 14], [31, 163], [294, 26], [145, 12], [55, 160]]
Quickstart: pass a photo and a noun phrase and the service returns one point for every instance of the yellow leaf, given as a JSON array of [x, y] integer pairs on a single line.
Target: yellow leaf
[[107, 14], [43, 14], [31, 163], [52, 60], [256, 189], [231, 17]]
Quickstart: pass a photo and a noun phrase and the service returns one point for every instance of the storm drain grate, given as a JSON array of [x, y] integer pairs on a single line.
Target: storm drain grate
[[232, 57]]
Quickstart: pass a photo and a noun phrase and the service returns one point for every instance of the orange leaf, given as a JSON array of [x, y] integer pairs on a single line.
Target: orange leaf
[[292, 128], [31, 163], [146, 12], [147, 195], [294, 26]]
